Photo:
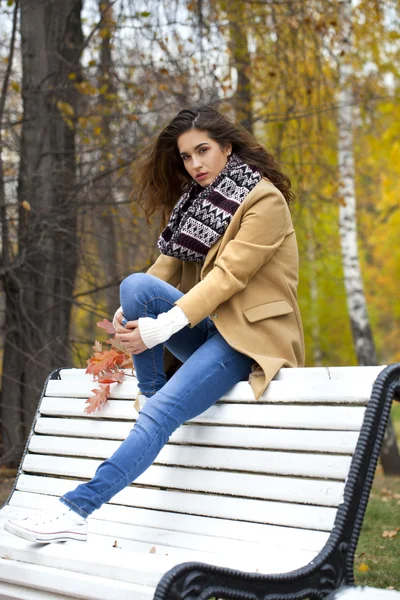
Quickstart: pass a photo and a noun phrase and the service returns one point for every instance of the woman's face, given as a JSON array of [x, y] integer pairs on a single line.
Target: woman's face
[[202, 156]]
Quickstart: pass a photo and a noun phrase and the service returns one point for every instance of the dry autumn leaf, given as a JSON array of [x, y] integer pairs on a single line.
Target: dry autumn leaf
[[363, 567], [106, 325], [390, 533], [111, 377], [98, 346], [100, 397], [103, 361], [152, 550], [106, 366], [119, 345]]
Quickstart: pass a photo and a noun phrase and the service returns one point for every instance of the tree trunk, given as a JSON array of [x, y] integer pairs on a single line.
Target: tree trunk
[[104, 225], [357, 307], [39, 292]]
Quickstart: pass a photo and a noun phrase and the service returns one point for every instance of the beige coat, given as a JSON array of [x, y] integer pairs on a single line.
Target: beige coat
[[248, 285]]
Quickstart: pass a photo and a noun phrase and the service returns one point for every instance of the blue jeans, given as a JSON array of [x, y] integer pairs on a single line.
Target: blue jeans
[[210, 368]]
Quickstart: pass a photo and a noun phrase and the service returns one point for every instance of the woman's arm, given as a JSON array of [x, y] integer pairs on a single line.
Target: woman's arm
[[264, 226], [167, 268]]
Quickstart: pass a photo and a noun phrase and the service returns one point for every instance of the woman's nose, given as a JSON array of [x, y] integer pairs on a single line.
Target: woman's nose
[[196, 162]]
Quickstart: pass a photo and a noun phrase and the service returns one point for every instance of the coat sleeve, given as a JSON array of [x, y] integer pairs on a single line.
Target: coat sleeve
[[167, 268], [264, 226]]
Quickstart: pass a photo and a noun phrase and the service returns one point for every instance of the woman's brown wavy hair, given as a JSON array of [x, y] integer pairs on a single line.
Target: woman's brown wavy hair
[[160, 176]]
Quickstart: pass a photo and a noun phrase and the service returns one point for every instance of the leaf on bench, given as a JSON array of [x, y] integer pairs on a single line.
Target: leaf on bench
[[100, 397]]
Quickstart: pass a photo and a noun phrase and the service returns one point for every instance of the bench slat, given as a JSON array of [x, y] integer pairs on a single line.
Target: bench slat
[[288, 416], [143, 539], [299, 490], [47, 582], [351, 391], [259, 461], [341, 442], [285, 374], [148, 520], [320, 518], [142, 568]]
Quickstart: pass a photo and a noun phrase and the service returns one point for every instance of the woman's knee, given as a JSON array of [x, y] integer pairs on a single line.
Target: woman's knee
[[131, 289]]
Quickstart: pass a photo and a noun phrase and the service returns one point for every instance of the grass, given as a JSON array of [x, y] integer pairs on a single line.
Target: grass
[[377, 561]]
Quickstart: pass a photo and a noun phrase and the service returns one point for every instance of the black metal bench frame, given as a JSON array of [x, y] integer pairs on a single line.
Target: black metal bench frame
[[334, 566]]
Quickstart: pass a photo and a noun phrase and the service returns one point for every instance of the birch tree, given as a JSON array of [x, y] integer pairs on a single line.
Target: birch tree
[[356, 303]]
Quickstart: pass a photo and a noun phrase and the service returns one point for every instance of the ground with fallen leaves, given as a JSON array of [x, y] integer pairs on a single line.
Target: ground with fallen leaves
[[377, 562]]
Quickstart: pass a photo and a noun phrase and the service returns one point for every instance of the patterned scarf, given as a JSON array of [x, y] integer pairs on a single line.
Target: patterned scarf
[[201, 215]]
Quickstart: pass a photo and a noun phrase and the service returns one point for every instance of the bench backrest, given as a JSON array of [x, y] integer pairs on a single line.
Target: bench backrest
[[282, 460]]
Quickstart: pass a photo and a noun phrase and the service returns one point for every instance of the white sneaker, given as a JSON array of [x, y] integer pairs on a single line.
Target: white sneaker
[[59, 525], [140, 401]]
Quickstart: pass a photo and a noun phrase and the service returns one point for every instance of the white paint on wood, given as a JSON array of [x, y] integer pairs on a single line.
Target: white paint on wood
[[149, 520], [49, 583], [285, 374], [258, 461], [348, 418], [350, 391], [320, 518], [100, 557], [299, 490], [341, 442], [141, 539]]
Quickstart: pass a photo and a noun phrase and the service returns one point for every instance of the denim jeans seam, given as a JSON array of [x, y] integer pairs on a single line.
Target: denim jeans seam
[[167, 415], [153, 356], [79, 510]]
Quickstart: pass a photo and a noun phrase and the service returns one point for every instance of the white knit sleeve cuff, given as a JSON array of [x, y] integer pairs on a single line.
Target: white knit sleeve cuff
[[157, 331], [119, 310]]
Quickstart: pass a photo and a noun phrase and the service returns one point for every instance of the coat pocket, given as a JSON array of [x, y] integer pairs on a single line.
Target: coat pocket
[[265, 311]]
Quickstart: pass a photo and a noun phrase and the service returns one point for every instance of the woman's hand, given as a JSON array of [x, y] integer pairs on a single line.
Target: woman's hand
[[129, 335]]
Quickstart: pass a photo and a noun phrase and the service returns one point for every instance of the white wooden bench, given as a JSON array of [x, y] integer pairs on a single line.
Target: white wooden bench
[[244, 501]]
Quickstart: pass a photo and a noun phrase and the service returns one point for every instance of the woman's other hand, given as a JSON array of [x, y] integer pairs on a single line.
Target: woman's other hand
[[130, 337], [117, 320]]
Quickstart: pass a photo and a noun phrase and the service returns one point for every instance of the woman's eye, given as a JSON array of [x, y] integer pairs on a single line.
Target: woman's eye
[[205, 150]]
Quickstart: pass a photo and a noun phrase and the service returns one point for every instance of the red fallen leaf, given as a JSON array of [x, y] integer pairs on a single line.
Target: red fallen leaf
[[100, 397], [103, 361], [111, 377], [107, 326]]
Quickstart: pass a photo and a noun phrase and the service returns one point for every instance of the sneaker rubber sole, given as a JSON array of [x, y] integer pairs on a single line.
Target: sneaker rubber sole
[[45, 538]]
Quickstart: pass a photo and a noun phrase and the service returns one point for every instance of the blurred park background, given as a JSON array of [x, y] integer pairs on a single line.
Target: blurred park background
[[86, 84]]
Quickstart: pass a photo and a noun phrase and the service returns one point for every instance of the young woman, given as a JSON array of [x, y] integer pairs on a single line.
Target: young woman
[[221, 297]]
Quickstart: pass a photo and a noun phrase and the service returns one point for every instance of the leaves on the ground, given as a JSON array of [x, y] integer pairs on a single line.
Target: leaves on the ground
[[390, 533], [363, 567]]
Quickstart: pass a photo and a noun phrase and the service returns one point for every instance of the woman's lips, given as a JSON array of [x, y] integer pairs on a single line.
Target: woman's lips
[[201, 175]]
